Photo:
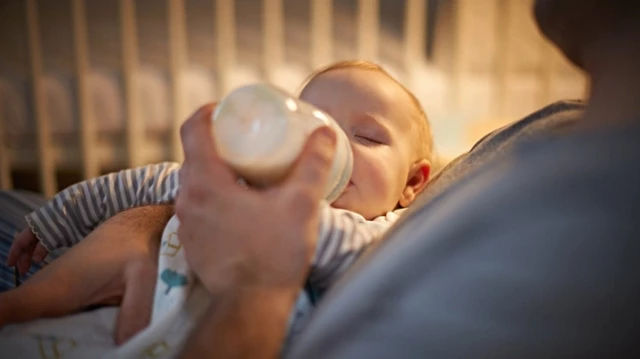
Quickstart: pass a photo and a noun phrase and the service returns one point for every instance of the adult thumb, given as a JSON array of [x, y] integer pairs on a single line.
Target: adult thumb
[[312, 167], [137, 301]]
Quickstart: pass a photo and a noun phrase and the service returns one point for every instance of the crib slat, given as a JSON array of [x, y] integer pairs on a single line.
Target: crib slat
[[178, 54], [226, 44], [46, 165], [5, 161], [321, 34], [134, 128], [501, 58], [90, 165], [460, 20], [273, 37], [546, 73], [368, 23], [415, 26]]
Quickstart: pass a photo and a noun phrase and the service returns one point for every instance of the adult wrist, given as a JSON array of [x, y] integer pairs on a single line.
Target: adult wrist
[[237, 283], [234, 325]]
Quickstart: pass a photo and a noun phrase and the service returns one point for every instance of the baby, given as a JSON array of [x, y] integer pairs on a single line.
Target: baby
[[391, 144]]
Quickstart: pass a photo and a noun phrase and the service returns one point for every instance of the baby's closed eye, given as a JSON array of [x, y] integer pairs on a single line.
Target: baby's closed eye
[[370, 135], [368, 139]]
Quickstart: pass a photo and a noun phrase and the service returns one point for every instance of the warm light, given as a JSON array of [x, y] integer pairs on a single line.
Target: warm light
[[320, 115], [291, 104]]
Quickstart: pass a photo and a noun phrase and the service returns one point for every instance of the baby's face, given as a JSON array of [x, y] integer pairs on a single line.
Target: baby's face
[[376, 114]]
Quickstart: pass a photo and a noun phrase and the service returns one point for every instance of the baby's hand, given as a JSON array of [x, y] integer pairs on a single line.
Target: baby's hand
[[25, 249]]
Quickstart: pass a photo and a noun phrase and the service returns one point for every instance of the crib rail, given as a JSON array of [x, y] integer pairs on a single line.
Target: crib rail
[[321, 44], [178, 51], [88, 151], [46, 166], [226, 39]]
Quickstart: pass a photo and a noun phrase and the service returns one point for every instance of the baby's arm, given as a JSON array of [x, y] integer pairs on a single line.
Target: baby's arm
[[73, 213], [343, 236], [80, 208]]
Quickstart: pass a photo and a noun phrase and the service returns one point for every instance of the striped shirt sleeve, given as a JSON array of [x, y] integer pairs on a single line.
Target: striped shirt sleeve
[[342, 237], [77, 210]]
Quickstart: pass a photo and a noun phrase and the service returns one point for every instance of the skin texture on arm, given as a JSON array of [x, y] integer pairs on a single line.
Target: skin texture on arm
[[115, 264], [256, 263], [243, 323]]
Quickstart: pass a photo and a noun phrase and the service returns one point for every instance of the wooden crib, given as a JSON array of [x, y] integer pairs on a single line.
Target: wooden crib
[[460, 57]]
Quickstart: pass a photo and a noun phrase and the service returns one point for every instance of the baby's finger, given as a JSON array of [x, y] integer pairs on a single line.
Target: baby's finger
[[24, 263], [39, 253], [14, 254], [22, 242]]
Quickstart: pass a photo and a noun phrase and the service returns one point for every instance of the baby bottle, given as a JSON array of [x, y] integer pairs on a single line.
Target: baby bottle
[[260, 130]]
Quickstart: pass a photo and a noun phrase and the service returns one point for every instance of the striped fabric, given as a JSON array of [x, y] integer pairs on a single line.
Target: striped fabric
[[77, 210], [13, 206], [80, 208], [342, 237]]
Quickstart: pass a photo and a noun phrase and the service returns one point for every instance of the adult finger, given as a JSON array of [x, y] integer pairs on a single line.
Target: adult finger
[[39, 253], [199, 149], [195, 133], [137, 302], [312, 167]]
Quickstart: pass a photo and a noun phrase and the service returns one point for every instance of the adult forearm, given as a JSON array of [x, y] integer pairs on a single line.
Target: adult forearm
[[243, 323], [95, 270], [149, 219]]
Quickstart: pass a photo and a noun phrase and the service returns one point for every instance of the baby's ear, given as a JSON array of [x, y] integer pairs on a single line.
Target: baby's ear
[[417, 180]]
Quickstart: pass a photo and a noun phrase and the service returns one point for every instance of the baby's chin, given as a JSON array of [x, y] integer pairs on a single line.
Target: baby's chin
[[350, 200], [346, 202]]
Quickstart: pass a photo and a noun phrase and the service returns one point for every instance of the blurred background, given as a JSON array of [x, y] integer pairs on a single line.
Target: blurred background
[[91, 86]]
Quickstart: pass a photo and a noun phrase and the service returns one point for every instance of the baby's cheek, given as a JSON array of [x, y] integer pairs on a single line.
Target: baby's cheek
[[367, 168], [380, 178]]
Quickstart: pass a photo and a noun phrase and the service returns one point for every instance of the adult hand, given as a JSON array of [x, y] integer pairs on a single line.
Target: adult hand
[[115, 264], [25, 248], [240, 237], [250, 248]]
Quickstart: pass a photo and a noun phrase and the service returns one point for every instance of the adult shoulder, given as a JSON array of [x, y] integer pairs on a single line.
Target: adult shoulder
[[533, 255]]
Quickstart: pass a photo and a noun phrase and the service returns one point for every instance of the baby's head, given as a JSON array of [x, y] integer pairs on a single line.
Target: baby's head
[[388, 130]]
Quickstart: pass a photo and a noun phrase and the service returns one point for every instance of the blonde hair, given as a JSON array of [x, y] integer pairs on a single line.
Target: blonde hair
[[425, 141]]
